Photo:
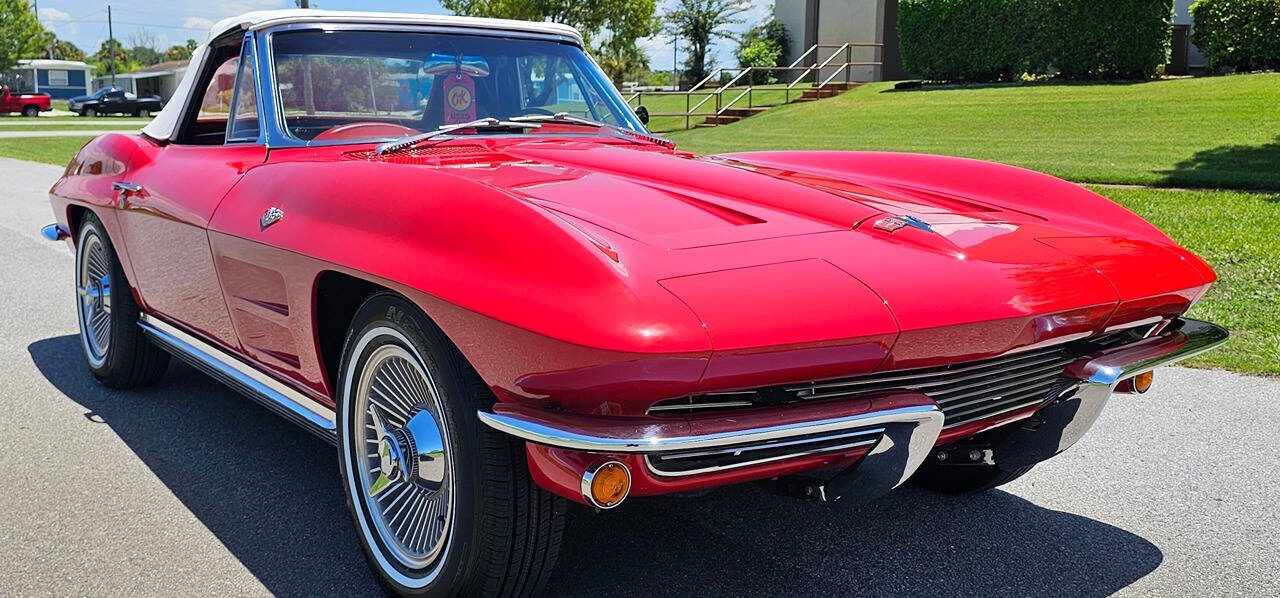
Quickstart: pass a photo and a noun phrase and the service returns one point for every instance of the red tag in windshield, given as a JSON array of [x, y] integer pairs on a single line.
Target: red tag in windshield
[[459, 99]]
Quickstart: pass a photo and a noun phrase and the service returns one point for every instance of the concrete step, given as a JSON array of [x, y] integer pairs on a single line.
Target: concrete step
[[722, 120], [745, 112]]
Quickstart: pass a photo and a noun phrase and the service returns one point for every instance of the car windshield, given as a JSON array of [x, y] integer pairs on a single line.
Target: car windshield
[[368, 85], [102, 92]]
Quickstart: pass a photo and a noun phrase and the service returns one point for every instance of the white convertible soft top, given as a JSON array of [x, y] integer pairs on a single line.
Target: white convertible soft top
[[164, 125]]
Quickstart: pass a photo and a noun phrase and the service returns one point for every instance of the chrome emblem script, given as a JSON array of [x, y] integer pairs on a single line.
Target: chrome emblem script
[[272, 216]]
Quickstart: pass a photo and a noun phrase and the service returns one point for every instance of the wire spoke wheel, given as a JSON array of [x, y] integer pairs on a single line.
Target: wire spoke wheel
[[93, 290], [403, 465]]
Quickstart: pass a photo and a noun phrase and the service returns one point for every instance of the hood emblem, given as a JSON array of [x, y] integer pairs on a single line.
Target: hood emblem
[[893, 223], [272, 216]]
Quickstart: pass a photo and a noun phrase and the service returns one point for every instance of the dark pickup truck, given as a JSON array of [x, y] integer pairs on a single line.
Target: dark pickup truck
[[113, 100]]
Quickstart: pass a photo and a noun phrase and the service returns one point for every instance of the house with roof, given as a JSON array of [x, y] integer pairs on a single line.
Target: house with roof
[[59, 78], [155, 80]]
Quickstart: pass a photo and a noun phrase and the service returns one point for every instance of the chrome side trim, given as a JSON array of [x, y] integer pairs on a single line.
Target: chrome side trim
[[533, 430], [246, 379]]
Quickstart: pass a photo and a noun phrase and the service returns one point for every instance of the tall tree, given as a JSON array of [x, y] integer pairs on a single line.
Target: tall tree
[[700, 22], [623, 63], [617, 23], [21, 34], [65, 50], [102, 58], [181, 52]]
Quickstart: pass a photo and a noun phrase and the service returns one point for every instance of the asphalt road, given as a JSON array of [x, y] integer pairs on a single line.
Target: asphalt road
[[189, 489]]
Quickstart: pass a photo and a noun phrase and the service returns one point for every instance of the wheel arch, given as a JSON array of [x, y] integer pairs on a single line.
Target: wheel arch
[[337, 297]]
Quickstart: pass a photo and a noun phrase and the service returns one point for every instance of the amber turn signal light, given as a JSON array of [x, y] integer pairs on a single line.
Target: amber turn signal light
[[1137, 384], [606, 485]]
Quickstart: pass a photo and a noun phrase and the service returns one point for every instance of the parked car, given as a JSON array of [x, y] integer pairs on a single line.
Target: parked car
[[113, 100], [29, 104], [498, 294]]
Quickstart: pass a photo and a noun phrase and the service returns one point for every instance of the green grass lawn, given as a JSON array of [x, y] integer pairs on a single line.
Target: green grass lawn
[[1215, 132], [1239, 235], [50, 150]]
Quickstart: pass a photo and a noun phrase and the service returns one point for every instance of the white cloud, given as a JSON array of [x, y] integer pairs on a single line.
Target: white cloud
[[199, 23], [53, 14], [57, 21]]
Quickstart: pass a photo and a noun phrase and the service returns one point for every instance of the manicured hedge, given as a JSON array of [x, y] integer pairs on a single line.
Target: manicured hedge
[[995, 40], [1117, 39], [968, 40], [1241, 34]]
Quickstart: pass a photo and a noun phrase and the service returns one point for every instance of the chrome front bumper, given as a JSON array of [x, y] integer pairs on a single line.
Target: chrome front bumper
[[893, 433], [904, 426], [1067, 416]]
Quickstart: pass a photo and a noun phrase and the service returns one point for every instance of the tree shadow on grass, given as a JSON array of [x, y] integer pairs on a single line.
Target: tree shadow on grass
[[271, 494], [1254, 167]]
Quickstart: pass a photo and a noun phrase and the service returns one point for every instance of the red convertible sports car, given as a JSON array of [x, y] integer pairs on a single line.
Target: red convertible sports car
[[450, 247]]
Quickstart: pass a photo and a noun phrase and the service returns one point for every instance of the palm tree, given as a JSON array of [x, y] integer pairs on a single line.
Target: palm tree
[[699, 22]]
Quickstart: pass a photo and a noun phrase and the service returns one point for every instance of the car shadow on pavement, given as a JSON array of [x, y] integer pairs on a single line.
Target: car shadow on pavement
[[270, 493]]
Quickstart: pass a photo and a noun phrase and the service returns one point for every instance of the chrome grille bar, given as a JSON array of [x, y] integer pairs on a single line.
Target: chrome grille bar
[[966, 392]]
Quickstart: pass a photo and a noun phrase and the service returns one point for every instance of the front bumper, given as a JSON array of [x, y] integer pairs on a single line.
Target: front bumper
[[874, 442]]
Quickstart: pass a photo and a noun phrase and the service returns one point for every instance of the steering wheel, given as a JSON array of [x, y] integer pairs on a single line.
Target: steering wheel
[[536, 110], [364, 130]]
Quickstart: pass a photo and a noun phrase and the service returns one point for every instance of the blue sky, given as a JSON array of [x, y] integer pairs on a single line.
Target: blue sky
[[84, 22]]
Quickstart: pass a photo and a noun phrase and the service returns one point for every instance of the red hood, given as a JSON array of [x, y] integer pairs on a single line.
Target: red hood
[[786, 244]]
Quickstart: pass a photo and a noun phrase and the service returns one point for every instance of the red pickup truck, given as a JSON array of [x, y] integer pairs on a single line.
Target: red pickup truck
[[29, 104]]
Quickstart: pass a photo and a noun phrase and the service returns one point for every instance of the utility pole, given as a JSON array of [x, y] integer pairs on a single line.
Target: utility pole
[[111, 45], [35, 5], [675, 60]]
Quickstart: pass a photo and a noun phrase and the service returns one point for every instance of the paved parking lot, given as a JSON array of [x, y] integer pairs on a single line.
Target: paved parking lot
[[186, 488]]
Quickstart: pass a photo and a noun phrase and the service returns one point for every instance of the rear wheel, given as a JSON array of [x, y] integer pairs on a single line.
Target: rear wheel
[[964, 479], [144, 113], [443, 505], [31, 111], [117, 352]]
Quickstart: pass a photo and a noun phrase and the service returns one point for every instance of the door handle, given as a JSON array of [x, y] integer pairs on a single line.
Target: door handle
[[125, 189]]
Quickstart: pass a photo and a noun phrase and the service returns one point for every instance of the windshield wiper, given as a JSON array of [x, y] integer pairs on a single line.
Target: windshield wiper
[[566, 118], [482, 123]]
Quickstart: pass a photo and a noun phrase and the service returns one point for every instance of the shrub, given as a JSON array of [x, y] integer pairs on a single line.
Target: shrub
[[761, 52], [767, 38], [1124, 39], [999, 40], [968, 40], [1241, 34]]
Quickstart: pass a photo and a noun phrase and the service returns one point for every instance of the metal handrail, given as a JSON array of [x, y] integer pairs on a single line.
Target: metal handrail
[[701, 87]]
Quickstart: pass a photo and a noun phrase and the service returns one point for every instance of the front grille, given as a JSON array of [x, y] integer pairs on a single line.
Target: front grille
[[692, 462], [966, 392]]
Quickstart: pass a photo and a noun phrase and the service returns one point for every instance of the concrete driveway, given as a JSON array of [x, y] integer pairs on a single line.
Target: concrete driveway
[[187, 488]]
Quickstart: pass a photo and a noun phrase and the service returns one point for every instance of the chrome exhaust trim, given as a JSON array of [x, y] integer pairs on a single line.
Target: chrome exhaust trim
[[240, 376]]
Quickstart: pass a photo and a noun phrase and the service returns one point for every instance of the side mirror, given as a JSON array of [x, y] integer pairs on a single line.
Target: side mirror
[[643, 114]]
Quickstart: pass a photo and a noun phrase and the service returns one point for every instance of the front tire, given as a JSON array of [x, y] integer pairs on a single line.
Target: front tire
[[90, 112], [443, 505], [31, 112], [117, 352]]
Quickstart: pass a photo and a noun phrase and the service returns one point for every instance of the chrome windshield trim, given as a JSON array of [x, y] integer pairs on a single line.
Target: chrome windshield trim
[[541, 432], [272, 393], [1183, 340]]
